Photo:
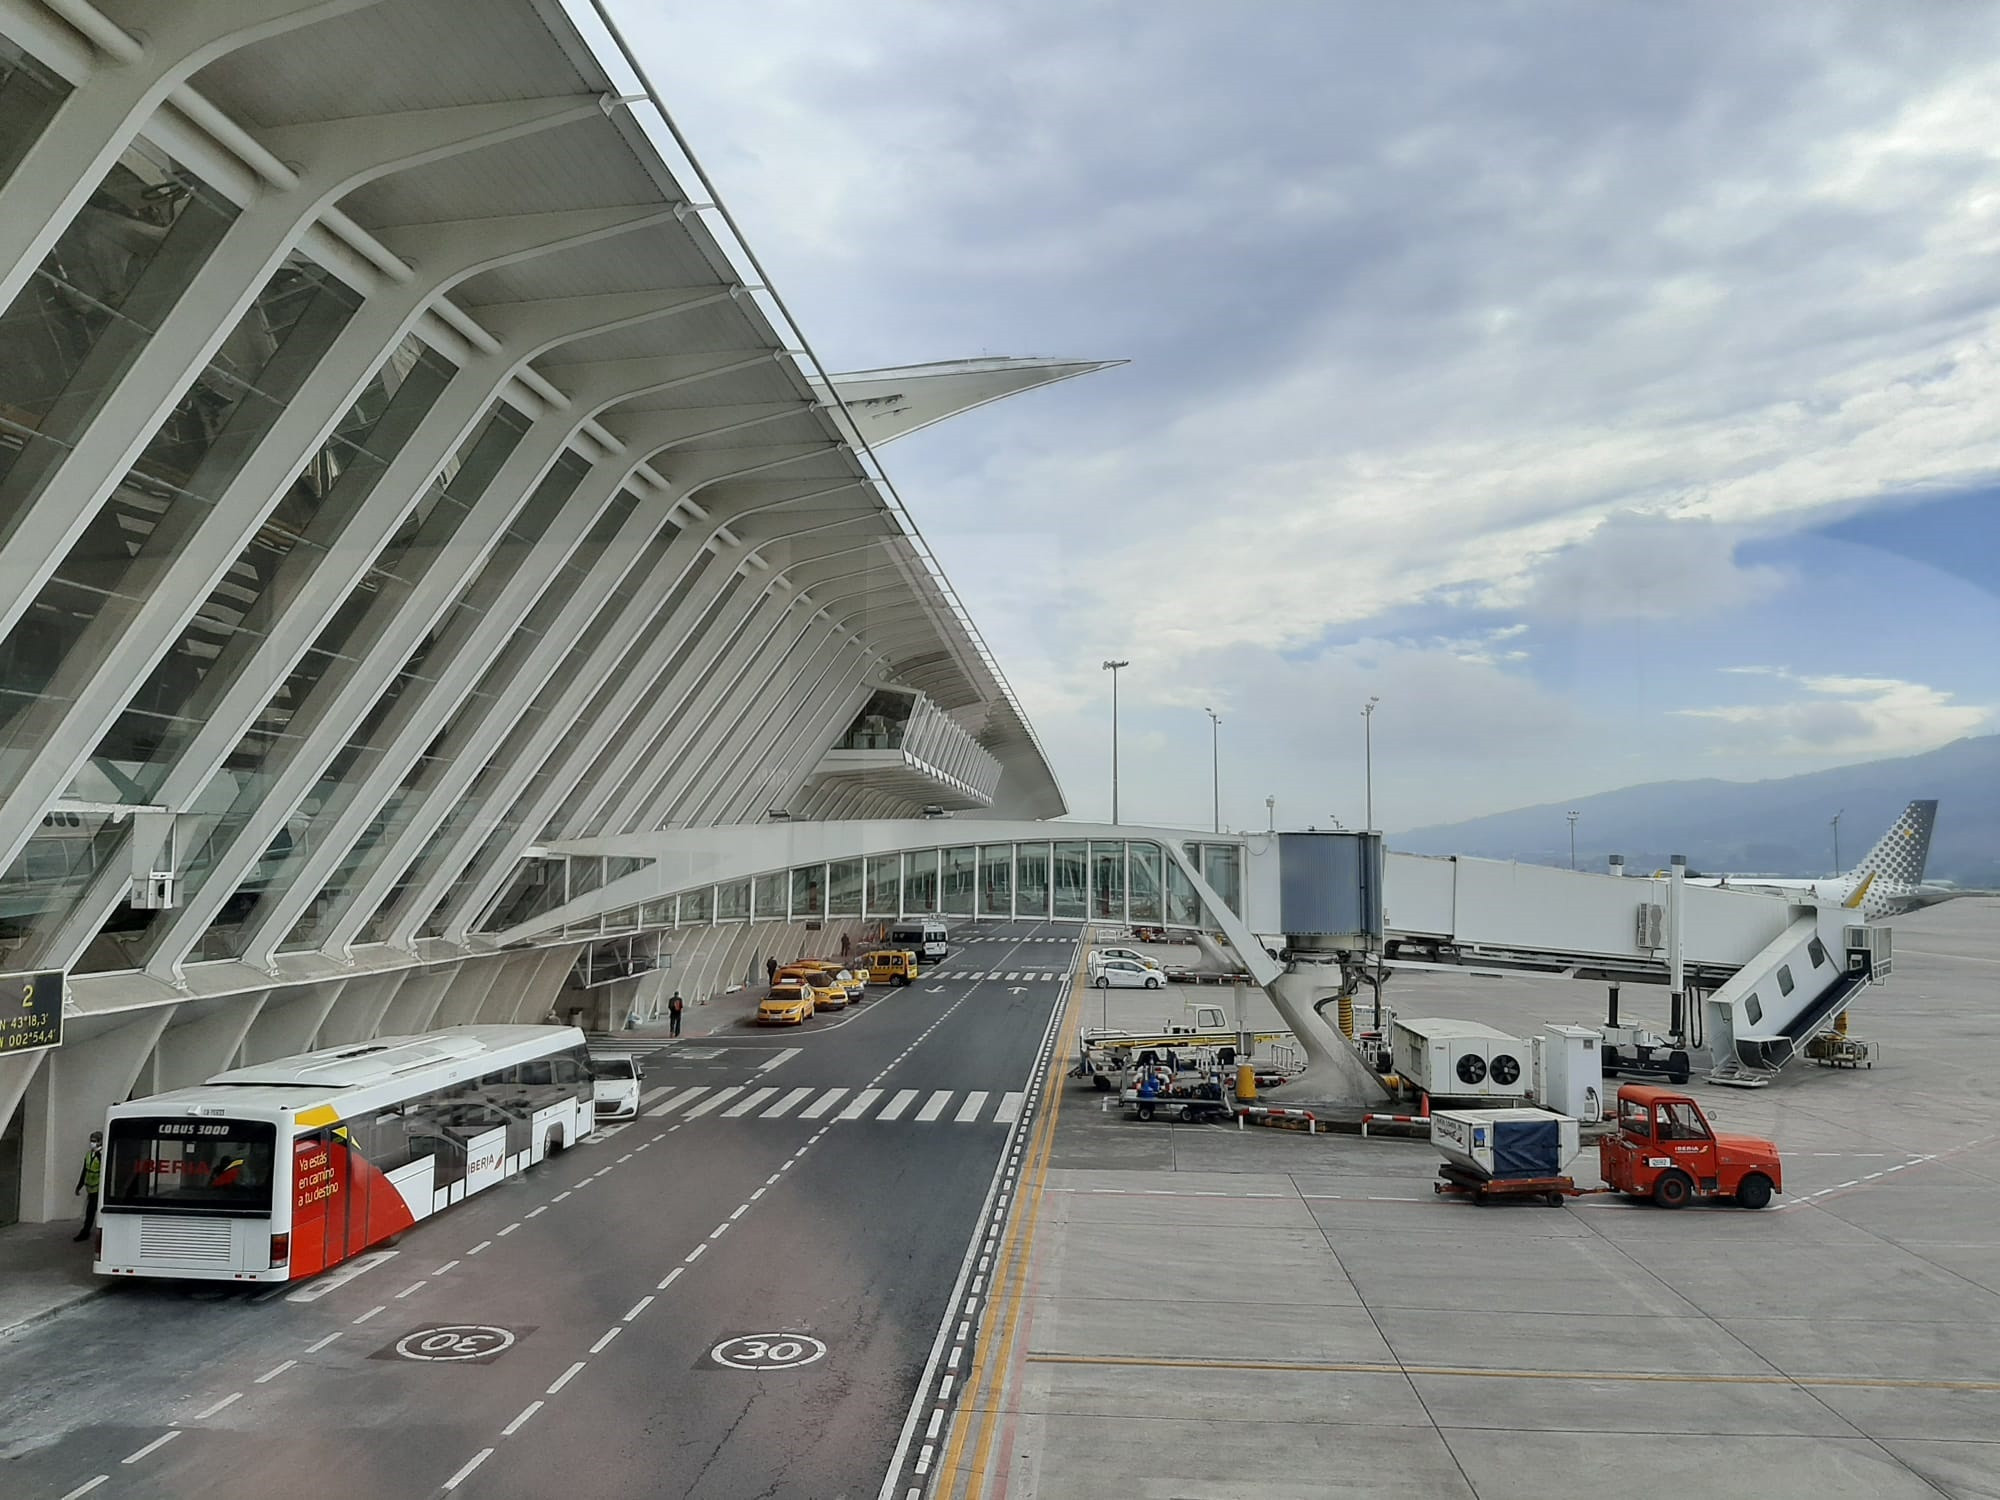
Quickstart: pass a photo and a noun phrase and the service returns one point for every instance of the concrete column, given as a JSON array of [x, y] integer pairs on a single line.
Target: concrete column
[[289, 1021], [752, 732], [66, 1100], [358, 1013], [471, 981], [416, 1003]]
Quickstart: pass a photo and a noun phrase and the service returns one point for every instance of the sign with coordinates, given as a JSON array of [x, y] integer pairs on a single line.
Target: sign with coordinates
[[31, 1012]]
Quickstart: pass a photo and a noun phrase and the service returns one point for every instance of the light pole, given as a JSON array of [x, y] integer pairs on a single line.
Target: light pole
[[1270, 814], [1215, 761], [1836, 841], [1572, 815], [1368, 753], [1112, 667]]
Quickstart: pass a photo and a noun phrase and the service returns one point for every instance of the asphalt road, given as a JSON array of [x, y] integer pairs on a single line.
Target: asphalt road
[[615, 1273]]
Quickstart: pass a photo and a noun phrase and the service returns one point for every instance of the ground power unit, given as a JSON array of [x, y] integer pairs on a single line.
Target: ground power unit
[[1452, 1059]]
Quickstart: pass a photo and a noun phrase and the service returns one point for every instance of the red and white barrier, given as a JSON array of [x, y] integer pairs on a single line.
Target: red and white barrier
[[1262, 1113], [1373, 1119]]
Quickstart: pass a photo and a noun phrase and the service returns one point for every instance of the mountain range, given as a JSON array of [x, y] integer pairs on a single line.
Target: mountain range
[[1776, 827]]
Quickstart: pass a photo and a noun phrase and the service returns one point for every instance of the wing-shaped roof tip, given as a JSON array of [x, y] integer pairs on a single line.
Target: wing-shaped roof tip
[[890, 403]]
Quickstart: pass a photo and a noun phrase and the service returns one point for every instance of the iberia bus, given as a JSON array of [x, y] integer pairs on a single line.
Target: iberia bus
[[278, 1171]]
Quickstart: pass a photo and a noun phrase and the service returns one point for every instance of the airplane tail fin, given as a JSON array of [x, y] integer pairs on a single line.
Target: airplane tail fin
[[1900, 856]]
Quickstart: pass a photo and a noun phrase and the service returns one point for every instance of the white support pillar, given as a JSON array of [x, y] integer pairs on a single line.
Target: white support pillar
[[66, 1100], [290, 1020], [416, 1002], [358, 1014], [467, 994], [192, 1052], [747, 790], [804, 739]]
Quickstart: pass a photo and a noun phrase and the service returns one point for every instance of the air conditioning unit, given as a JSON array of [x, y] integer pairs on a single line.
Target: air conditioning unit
[[1453, 1059], [153, 892], [1649, 931]]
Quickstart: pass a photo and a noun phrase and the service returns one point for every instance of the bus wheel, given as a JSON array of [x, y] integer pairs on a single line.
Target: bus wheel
[[554, 1144]]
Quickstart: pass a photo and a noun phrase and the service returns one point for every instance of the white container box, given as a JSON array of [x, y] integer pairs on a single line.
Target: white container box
[[1506, 1143], [1452, 1059]]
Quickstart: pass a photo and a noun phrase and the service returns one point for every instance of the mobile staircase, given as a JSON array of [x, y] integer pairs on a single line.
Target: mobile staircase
[[1797, 988]]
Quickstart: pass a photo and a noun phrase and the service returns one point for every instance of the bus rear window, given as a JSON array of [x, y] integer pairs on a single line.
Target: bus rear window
[[190, 1166]]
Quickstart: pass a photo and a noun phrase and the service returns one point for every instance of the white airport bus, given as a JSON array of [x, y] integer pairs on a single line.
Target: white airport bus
[[926, 938], [278, 1171]]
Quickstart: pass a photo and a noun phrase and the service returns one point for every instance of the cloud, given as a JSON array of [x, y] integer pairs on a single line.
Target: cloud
[[1843, 718], [1644, 567]]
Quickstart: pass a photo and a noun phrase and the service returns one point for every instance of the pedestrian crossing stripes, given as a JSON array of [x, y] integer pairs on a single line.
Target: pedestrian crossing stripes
[[837, 1104]]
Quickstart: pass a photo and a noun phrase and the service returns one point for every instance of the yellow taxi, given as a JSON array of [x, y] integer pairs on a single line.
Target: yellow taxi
[[889, 965], [826, 993], [788, 1004], [854, 981]]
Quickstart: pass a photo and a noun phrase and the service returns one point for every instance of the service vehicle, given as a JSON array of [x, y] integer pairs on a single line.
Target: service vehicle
[[1098, 955], [277, 1171], [790, 1003], [615, 1085], [1637, 1051], [928, 939], [1664, 1149], [1157, 1090], [890, 965], [1201, 1042], [1126, 974]]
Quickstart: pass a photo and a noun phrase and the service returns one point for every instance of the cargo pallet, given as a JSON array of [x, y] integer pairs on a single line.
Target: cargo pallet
[[1460, 1183]]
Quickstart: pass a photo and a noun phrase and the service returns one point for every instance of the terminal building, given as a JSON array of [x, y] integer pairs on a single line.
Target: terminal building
[[406, 480]]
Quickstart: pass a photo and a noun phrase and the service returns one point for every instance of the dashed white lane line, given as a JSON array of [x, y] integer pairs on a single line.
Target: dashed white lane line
[[515, 1426], [787, 1104], [371, 1313], [638, 1307], [741, 1210], [822, 1104], [893, 1110], [695, 1254], [599, 1346], [934, 1106], [272, 1374], [413, 1286], [759, 1193], [314, 1348], [444, 1268], [564, 1379], [747, 1103], [534, 1212], [482, 1245], [719, 1230], [859, 1107], [974, 1103], [86, 1487], [715, 1100], [562, 1195], [670, 1278], [229, 1400], [472, 1463]]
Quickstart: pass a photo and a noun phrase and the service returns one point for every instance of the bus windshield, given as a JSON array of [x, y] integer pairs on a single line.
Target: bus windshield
[[190, 1166]]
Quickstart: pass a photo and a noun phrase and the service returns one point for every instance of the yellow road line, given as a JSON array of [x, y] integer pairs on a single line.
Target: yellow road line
[[1008, 1280], [1364, 1367]]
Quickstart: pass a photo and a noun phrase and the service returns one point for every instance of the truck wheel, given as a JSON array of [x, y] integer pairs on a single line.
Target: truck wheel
[[1187, 1114], [1753, 1191], [1677, 1068], [1145, 1111], [1672, 1190], [1103, 1084]]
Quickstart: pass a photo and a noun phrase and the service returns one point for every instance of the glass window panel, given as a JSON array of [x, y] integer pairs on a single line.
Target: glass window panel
[[30, 95], [586, 874], [881, 723], [732, 901], [1183, 906], [920, 882], [1143, 870], [1072, 879], [809, 891], [1222, 868], [885, 885], [1108, 882], [658, 913], [961, 880], [698, 906], [49, 875], [771, 891], [843, 888], [1031, 880], [996, 880]]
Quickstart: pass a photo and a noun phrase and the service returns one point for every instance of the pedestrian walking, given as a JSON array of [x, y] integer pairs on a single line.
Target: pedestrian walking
[[846, 947], [674, 1008], [771, 968], [87, 1182]]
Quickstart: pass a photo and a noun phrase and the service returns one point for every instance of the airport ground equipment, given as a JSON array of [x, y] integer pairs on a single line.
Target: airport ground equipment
[[1798, 988], [1202, 1042], [1639, 1053], [1447, 1058], [1568, 1069], [1665, 1149], [1505, 1153], [1156, 1093]]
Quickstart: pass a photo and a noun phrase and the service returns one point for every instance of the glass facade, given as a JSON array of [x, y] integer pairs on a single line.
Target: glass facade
[[960, 881], [881, 723], [920, 881], [996, 883], [1072, 879], [771, 893], [885, 885], [1143, 883], [809, 891], [1107, 882], [732, 901], [1031, 880], [30, 95]]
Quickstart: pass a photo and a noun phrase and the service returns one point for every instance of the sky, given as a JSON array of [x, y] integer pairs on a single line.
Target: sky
[[1612, 391]]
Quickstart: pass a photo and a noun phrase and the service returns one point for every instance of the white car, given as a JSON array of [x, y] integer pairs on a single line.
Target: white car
[[1099, 955], [1126, 974], [615, 1086]]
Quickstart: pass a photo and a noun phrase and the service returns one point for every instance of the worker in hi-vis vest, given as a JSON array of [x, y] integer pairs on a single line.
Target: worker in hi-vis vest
[[87, 1182]]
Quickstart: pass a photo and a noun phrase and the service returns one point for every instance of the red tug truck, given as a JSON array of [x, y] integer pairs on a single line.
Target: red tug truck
[[1665, 1150]]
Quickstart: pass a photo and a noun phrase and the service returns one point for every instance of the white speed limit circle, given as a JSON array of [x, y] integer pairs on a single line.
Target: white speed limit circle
[[767, 1351], [454, 1341]]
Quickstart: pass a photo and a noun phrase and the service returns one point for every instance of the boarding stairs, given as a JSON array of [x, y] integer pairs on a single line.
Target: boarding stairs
[[1797, 988]]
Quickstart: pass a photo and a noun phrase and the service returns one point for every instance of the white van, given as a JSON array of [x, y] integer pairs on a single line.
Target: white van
[[615, 1083], [926, 939]]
